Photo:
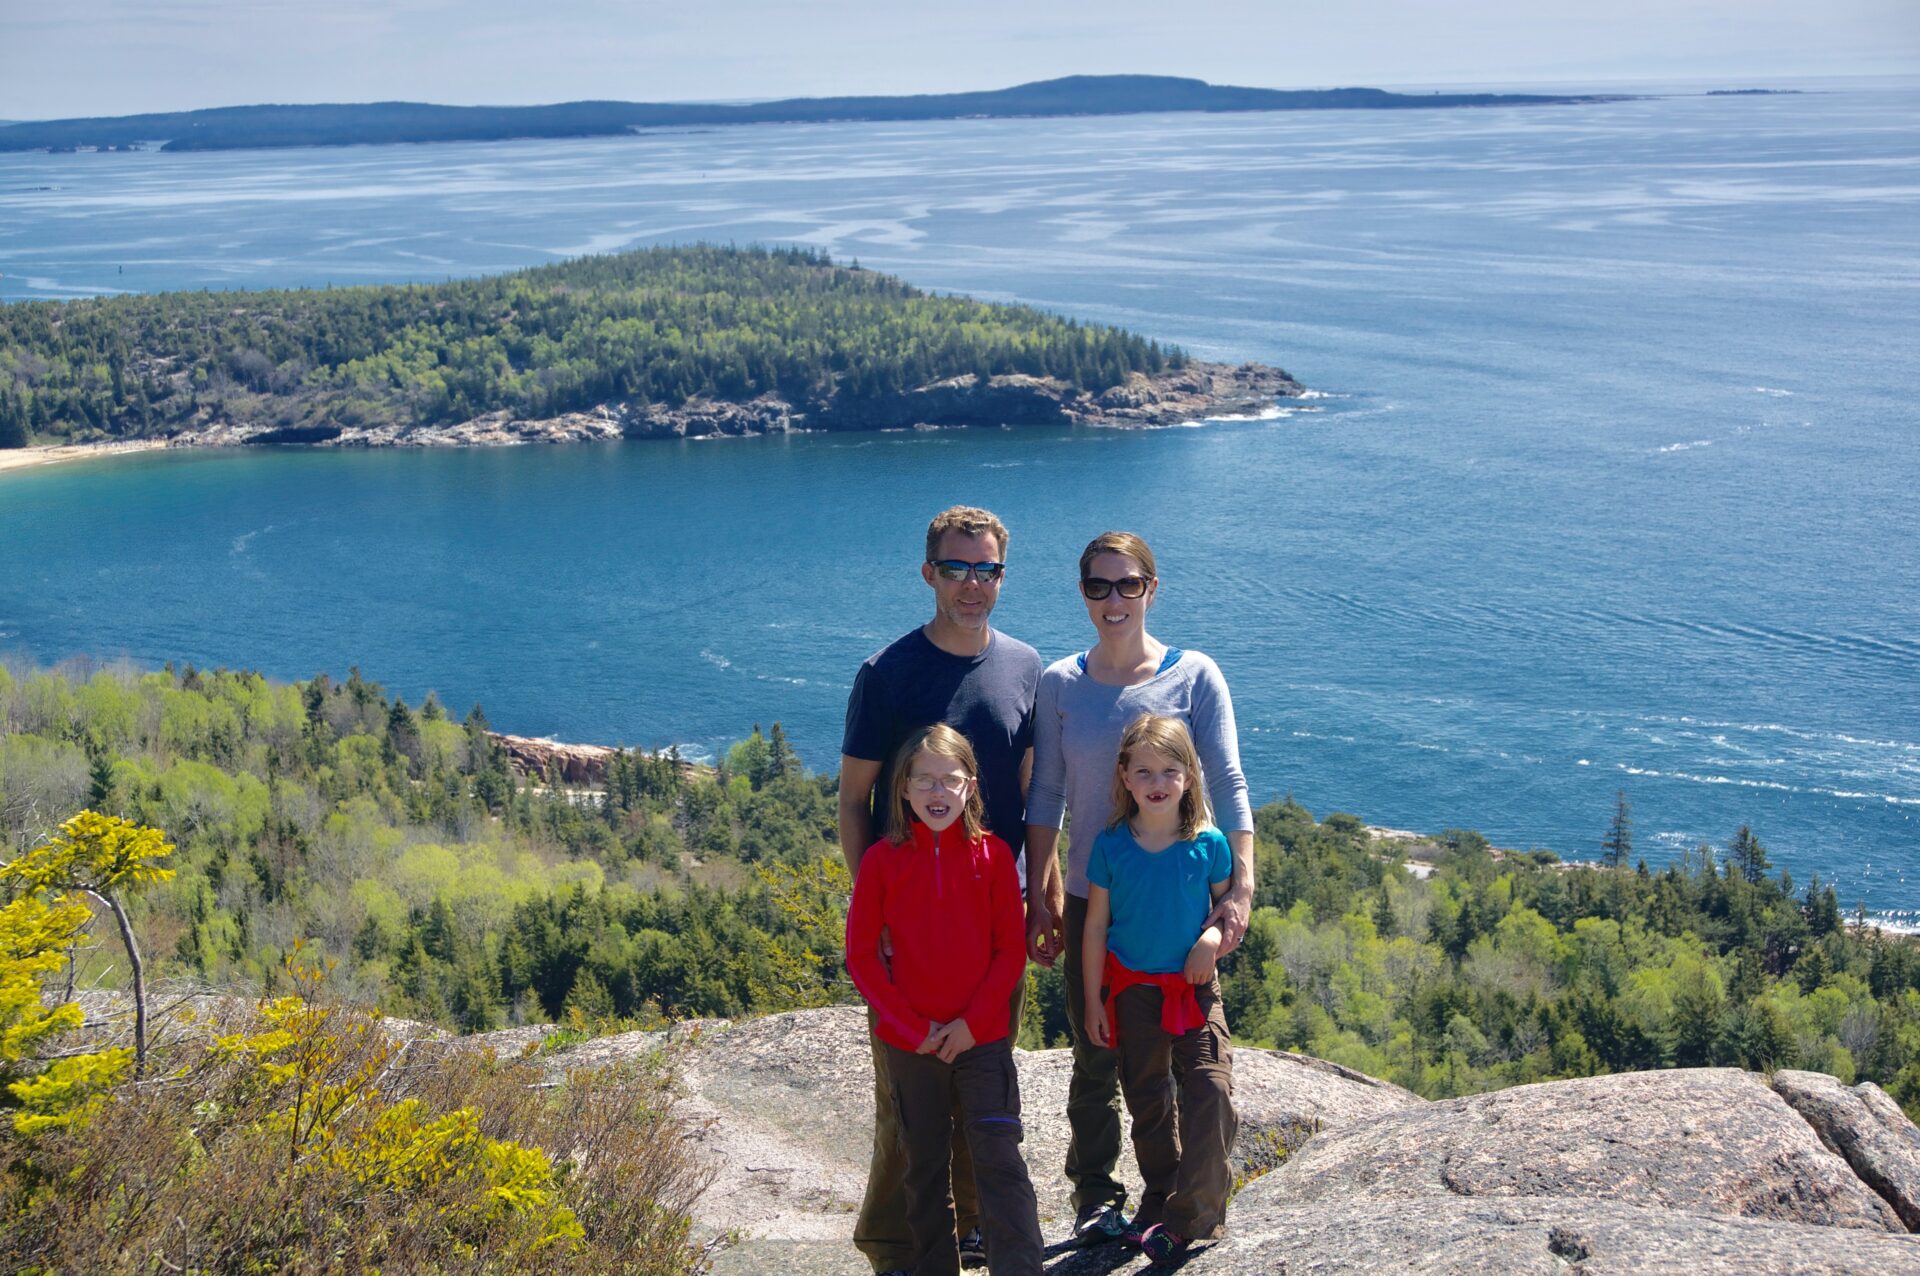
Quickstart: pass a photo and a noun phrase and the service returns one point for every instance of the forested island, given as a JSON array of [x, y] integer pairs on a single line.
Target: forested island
[[658, 342], [235, 127]]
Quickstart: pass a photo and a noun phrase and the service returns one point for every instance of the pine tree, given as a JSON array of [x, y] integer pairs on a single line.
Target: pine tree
[[1748, 855], [13, 423], [1384, 922], [100, 781], [1618, 844], [781, 761], [1822, 910]]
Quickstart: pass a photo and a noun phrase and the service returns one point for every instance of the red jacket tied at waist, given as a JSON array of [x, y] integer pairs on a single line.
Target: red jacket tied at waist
[[1179, 1008]]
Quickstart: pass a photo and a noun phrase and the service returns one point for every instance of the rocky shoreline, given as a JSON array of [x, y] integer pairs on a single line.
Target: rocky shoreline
[[1196, 392]]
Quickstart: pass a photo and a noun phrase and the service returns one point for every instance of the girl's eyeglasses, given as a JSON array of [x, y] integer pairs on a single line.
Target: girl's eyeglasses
[[957, 569], [1127, 586], [924, 784]]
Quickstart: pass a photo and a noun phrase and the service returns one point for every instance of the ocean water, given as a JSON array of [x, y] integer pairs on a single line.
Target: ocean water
[[1611, 483]]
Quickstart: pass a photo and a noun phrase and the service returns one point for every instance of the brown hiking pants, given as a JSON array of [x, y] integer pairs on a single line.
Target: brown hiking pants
[[1180, 1093], [881, 1232], [983, 1084], [1093, 1123]]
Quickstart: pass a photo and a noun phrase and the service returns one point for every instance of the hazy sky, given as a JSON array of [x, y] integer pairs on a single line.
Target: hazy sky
[[112, 57]]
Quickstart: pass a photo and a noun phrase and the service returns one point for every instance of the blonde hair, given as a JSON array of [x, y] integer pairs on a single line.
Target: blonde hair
[[968, 521], [1118, 543], [1170, 738], [942, 741]]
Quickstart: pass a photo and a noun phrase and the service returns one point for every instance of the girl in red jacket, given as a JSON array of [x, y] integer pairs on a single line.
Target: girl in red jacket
[[947, 896]]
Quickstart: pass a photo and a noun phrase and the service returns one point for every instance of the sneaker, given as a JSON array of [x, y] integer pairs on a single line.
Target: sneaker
[[973, 1249], [1130, 1234], [1098, 1223], [1162, 1246]]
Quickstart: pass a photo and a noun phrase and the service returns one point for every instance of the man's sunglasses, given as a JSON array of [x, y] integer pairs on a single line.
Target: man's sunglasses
[[1096, 588], [957, 569]]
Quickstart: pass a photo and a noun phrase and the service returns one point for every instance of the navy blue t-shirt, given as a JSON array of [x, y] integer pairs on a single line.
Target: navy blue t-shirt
[[987, 698]]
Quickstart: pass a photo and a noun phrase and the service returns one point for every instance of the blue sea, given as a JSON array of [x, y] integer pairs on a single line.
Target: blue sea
[[1611, 482]]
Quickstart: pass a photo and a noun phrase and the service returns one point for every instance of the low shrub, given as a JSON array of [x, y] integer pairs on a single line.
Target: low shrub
[[298, 1135]]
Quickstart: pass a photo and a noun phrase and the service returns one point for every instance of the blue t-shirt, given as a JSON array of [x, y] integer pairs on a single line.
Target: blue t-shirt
[[1159, 898], [987, 698]]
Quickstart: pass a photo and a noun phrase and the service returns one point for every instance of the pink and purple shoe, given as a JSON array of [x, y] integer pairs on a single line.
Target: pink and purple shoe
[[1163, 1247]]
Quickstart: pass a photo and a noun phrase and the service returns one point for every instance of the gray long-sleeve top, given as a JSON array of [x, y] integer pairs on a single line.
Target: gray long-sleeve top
[[1077, 723]]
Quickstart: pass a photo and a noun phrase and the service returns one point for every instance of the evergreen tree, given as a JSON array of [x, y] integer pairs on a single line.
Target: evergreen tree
[[1617, 847], [781, 762], [1384, 922], [13, 423], [100, 781], [1822, 909], [1748, 856]]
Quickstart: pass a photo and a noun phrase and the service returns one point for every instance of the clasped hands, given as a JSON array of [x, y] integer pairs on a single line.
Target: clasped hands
[[948, 1041]]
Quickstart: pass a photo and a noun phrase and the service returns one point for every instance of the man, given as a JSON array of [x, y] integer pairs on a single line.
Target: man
[[955, 669]]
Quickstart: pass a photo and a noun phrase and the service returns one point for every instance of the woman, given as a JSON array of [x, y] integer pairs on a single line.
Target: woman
[[1084, 704]]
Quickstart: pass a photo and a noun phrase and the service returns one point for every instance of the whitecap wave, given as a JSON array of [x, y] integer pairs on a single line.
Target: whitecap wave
[[715, 659], [1889, 798], [1770, 390], [1798, 733], [1273, 413], [1681, 447], [1690, 777]]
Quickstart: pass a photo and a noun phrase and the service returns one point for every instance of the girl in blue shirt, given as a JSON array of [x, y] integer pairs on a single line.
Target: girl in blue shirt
[[1151, 987]]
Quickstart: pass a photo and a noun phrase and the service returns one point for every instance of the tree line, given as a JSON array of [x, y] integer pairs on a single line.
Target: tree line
[[657, 326], [397, 841]]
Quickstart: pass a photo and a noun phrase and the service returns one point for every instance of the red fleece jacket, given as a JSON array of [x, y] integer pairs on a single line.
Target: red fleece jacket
[[959, 929]]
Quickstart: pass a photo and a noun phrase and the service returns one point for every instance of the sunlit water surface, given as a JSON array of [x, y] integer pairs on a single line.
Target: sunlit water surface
[[1612, 486]]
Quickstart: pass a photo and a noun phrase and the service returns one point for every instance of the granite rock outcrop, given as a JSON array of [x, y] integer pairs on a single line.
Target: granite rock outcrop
[[1194, 392], [1707, 1171]]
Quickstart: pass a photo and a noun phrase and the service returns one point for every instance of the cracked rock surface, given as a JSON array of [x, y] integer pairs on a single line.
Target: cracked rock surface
[[1709, 1172], [1864, 1125], [1552, 1236], [1707, 1140]]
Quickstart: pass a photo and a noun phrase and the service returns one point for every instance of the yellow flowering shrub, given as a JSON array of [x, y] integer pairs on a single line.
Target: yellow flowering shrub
[[35, 932]]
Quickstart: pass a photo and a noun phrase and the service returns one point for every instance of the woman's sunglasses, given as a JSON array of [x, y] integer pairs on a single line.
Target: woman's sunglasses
[[1128, 586]]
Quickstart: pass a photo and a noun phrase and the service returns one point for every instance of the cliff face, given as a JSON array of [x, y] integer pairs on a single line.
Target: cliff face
[[1698, 1171], [545, 760], [1195, 392]]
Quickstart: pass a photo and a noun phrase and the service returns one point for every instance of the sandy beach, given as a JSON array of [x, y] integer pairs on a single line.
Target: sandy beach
[[29, 457]]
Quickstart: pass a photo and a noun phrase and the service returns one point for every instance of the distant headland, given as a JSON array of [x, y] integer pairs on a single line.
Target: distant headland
[[240, 127]]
